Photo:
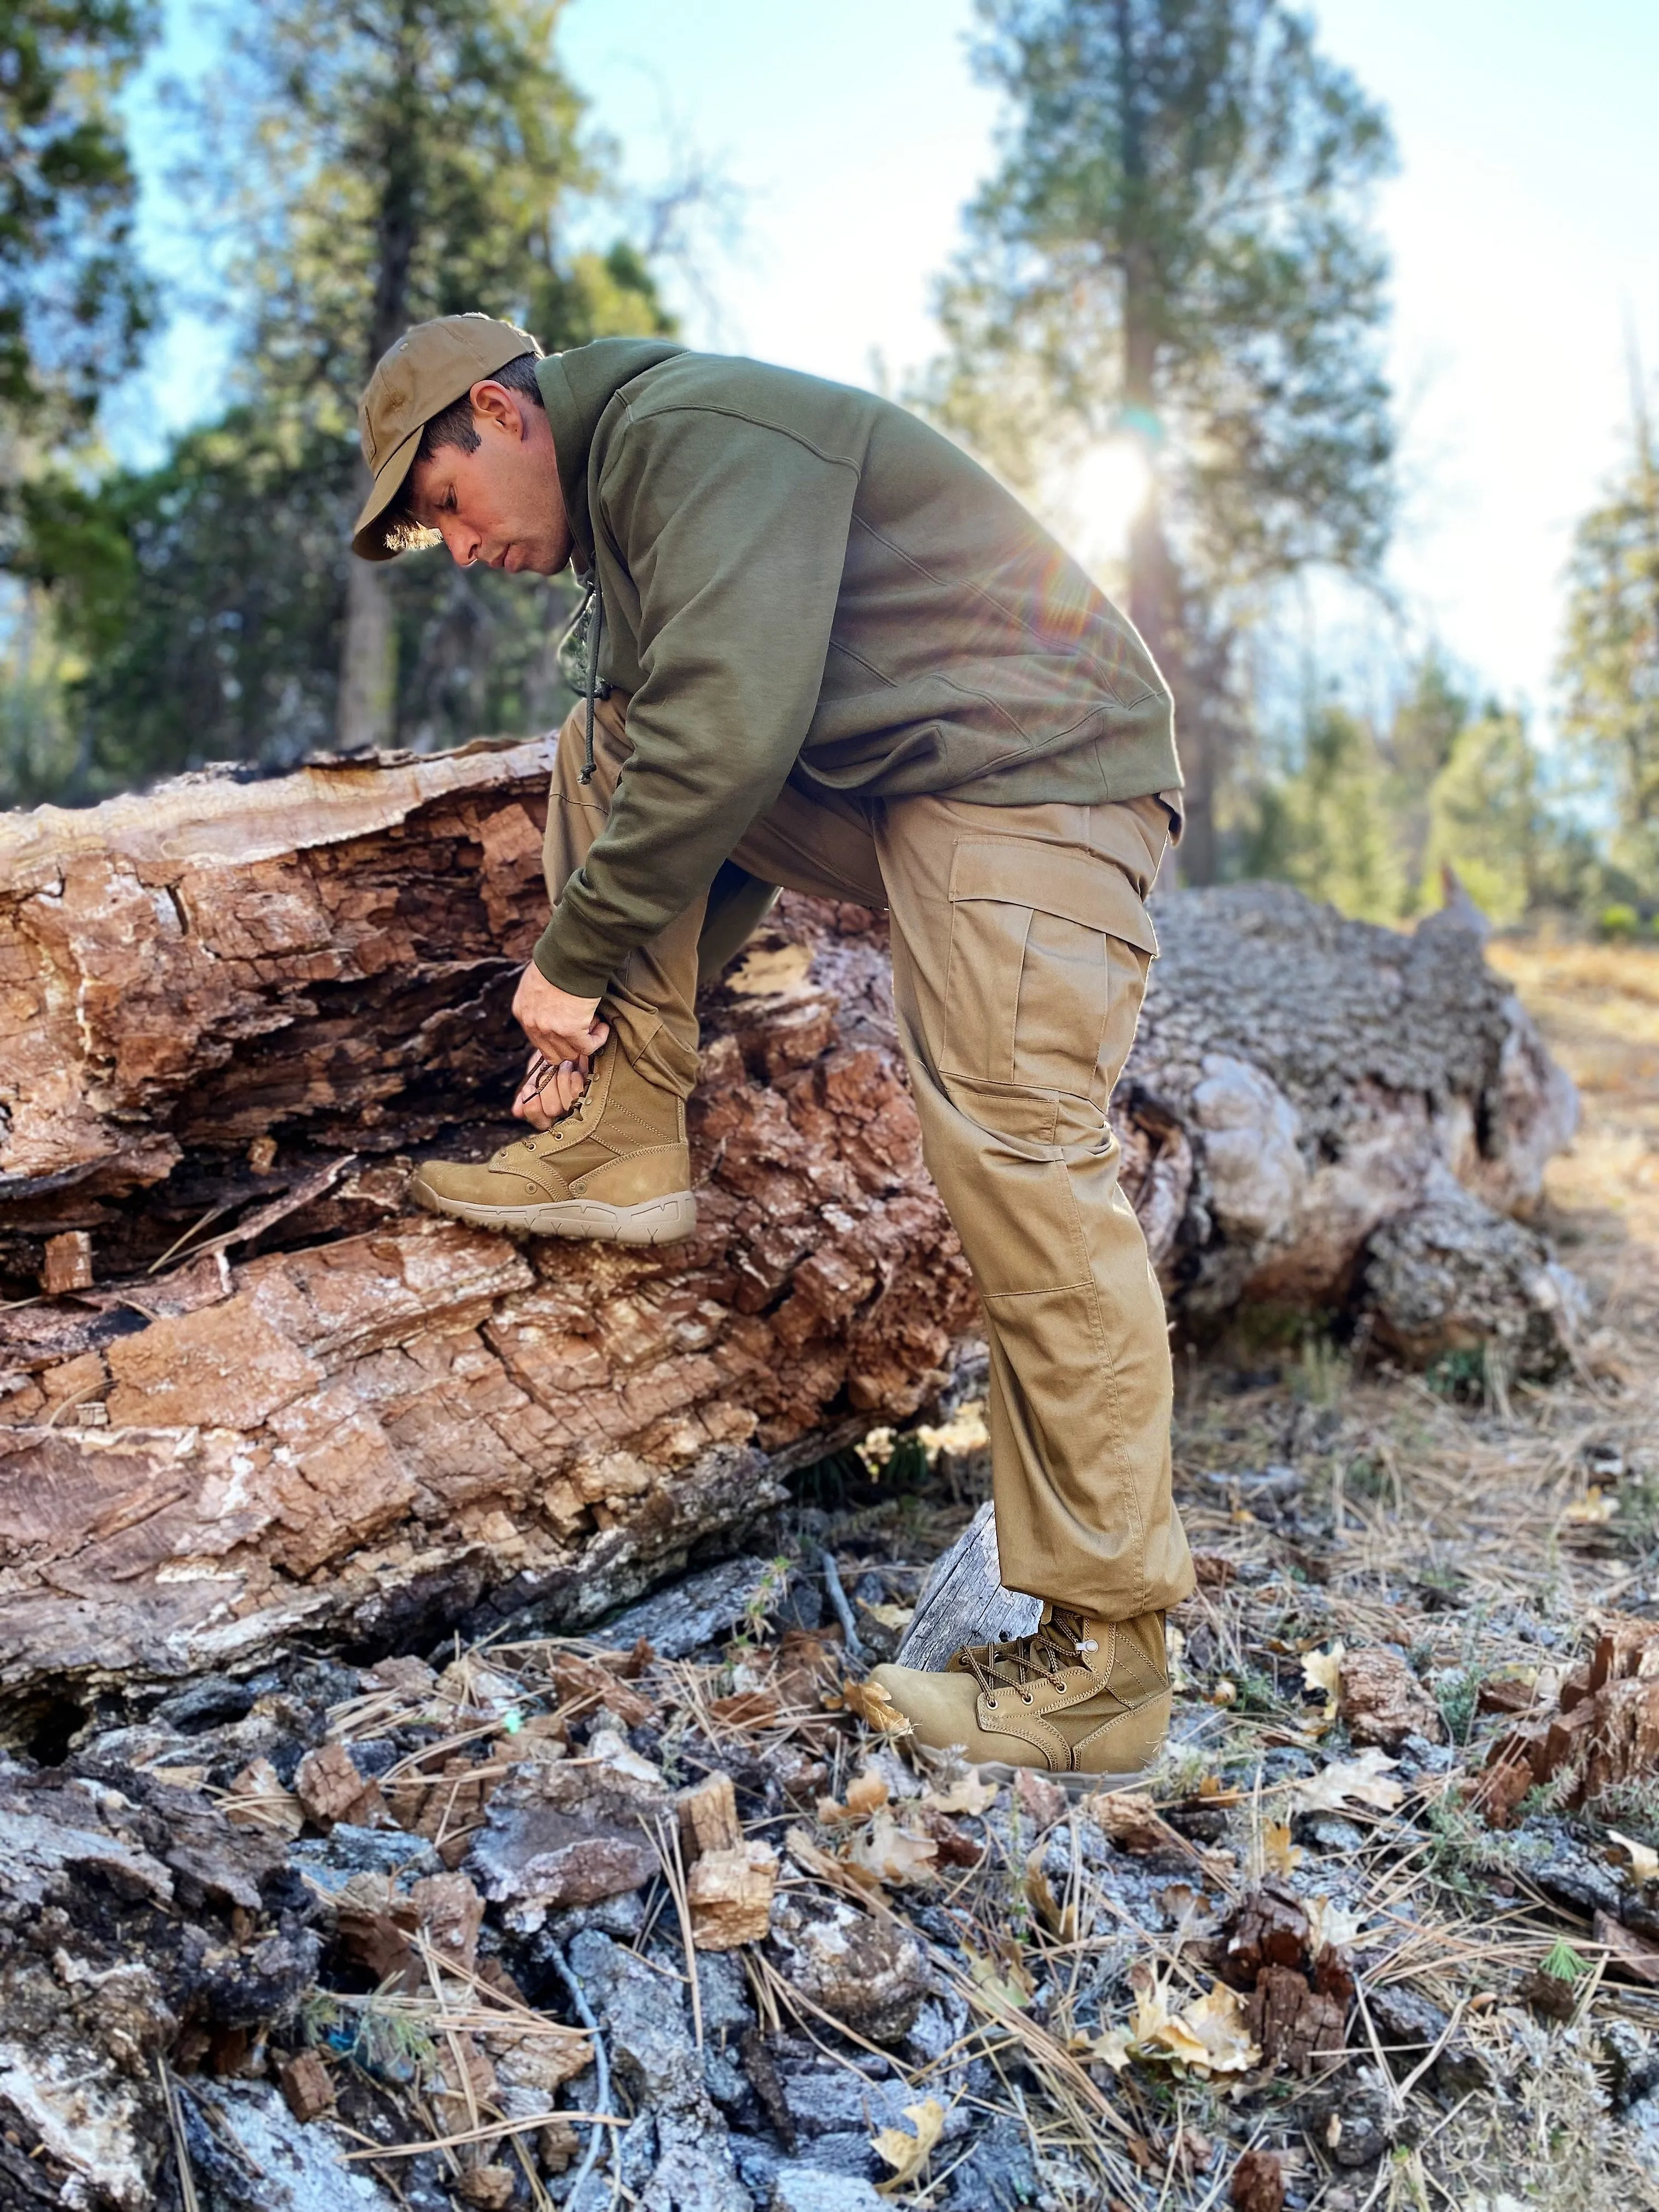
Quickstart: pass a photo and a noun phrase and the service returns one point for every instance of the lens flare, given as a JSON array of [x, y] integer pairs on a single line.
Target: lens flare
[[1108, 490]]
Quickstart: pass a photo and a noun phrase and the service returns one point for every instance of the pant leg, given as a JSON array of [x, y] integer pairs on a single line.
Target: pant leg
[[651, 1001], [825, 850], [1020, 951]]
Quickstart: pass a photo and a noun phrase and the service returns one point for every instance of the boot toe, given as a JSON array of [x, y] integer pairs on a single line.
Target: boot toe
[[440, 1185]]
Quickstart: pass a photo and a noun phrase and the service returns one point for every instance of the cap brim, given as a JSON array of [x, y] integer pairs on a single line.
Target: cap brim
[[368, 531]]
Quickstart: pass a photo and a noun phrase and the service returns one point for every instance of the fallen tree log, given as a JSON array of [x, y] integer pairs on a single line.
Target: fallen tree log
[[244, 1392]]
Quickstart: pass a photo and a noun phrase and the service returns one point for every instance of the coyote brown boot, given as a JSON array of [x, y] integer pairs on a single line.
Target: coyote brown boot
[[615, 1167], [1087, 1700]]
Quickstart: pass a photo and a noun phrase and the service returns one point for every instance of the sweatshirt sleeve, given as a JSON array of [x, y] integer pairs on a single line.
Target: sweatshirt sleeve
[[734, 537]]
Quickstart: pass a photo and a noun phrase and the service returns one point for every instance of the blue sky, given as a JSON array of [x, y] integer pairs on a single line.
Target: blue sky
[[1521, 223]]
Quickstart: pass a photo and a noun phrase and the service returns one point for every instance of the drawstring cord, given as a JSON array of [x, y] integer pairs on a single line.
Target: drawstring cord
[[595, 628]]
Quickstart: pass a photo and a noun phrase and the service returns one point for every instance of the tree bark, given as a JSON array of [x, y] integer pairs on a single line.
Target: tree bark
[[367, 713], [233, 1011], [367, 717]]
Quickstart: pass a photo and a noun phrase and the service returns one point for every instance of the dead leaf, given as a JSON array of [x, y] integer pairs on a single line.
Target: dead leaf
[[909, 2154], [1212, 2036], [896, 1617], [891, 1855], [1217, 2026], [1361, 1781], [1322, 1671], [970, 1795], [1595, 1508], [1003, 1978], [1061, 1918], [865, 1793], [1644, 1859], [1331, 1926], [1278, 1854], [875, 1708]]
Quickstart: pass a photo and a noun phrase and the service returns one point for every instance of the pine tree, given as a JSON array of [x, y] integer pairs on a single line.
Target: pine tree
[[1176, 253], [375, 165], [75, 304], [414, 158], [1610, 663]]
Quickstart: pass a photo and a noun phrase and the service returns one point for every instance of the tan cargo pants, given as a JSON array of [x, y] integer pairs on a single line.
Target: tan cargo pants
[[1021, 944]]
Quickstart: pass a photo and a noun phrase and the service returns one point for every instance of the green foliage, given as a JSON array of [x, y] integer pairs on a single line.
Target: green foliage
[[1562, 1963], [200, 604], [399, 159], [1486, 819], [395, 161], [1175, 251], [1324, 825], [74, 303], [37, 744], [1610, 663], [1381, 821]]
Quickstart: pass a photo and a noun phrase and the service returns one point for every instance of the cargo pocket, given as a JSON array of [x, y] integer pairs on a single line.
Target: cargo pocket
[[1045, 944]]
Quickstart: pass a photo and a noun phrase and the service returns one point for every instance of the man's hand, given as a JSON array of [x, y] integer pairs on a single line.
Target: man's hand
[[560, 1027], [548, 1092]]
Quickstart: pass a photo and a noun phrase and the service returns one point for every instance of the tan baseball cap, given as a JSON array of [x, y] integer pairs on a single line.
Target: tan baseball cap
[[428, 368]]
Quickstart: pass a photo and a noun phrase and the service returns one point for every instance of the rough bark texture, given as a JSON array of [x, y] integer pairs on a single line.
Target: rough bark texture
[[270, 1397]]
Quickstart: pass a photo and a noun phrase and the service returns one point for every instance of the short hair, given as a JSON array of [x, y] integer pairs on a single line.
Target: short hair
[[454, 425]]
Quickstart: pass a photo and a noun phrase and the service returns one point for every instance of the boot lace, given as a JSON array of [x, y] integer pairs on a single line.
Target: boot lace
[[542, 1072], [1015, 1661]]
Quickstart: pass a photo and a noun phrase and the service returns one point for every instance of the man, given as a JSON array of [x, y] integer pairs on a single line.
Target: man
[[826, 651]]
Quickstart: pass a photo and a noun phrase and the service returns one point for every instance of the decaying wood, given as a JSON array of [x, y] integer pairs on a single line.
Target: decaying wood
[[1603, 1731], [244, 1392], [963, 1600]]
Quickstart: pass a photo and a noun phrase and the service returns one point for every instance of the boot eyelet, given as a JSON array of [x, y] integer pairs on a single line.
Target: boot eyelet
[[990, 1704]]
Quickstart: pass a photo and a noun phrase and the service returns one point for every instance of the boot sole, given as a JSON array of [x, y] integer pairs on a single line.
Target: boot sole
[[654, 1221], [1075, 1785]]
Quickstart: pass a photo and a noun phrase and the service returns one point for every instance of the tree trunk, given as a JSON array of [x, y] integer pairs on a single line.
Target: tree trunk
[[235, 1012], [367, 717], [366, 714]]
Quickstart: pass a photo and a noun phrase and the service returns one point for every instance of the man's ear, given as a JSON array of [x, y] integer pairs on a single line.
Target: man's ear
[[493, 402]]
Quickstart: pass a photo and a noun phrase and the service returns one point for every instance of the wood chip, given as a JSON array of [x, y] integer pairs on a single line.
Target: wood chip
[[306, 2085], [67, 1263], [730, 1894], [451, 1911], [256, 1799], [747, 1709], [1382, 1700], [708, 1817], [1043, 1802], [330, 1789], [585, 1684], [1630, 1954], [1258, 2183], [1130, 1820]]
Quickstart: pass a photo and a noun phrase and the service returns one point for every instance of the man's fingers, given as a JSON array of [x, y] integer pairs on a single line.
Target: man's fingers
[[549, 1091], [560, 1045]]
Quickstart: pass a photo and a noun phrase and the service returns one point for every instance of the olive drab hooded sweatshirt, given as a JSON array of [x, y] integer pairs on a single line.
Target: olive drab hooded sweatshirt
[[803, 583]]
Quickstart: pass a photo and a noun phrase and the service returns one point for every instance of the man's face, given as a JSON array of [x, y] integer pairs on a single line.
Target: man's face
[[503, 505]]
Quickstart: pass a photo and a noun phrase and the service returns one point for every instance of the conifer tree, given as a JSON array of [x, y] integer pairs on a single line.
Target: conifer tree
[[1175, 252], [1610, 663]]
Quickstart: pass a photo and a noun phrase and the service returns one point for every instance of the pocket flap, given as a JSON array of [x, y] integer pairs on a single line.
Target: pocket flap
[[1081, 887]]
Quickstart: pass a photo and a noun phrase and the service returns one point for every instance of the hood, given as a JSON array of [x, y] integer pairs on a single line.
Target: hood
[[577, 387]]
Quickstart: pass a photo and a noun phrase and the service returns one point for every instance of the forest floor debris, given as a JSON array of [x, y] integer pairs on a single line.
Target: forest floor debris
[[675, 1915]]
